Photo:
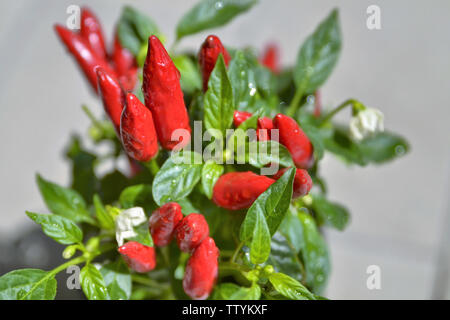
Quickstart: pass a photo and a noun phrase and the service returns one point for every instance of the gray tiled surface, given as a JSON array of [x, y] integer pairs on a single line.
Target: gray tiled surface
[[399, 210]]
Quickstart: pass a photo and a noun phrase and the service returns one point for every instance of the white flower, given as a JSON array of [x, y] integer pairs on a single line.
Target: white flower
[[125, 222], [365, 123]]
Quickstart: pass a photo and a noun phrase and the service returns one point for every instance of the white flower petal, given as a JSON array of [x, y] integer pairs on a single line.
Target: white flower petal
[[125, 222], [365, 123]]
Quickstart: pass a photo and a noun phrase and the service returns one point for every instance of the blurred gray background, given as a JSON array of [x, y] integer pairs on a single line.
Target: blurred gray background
[[400, 211]]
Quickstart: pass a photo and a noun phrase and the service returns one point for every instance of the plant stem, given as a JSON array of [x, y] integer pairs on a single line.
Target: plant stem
[[153, 166], [236, 252], [293, 107], [148, 282], [340, 107]]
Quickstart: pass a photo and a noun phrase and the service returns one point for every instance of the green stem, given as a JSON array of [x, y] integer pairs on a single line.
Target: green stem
[[236, 252], [293, 107], [148, 282], [153, 166], [91, 116], [340, 107]]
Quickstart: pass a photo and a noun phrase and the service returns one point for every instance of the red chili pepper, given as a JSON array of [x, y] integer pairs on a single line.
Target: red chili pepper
[[209, 52], [191, 231], [122, 58], [163, 222], [163, 95], [239, 117], [270, 58], [263, 123], [138, 257], [125, 65], [91, 30], [86, 57], [201, 270], [238, 190], [112, 96], [137, 130], [302, 182], [295, 140]]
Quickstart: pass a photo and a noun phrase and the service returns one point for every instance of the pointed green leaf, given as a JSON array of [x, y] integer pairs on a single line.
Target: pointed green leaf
[[27, 284], [289, 287], [117, 279], [92, 283], [58, 228]]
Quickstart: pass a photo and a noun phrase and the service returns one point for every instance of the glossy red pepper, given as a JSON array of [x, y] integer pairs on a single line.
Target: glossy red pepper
[[125, 65], [191, 231], [201, 270], [302, 182], [163, 222], [137, 130], [207, 57], [91, 30], [238, 190], [270, 58], [295, 140], [138, 257], [112, 95], [264, 123], [239, 117], [163, 96], [86, 57]]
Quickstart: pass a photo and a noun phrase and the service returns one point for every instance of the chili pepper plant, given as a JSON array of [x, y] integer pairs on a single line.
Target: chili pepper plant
[[224, 196]]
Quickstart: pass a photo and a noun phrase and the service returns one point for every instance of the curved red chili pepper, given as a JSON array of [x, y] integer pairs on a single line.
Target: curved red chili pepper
[[91, 30], [238, 190], [191, 231], [163, 222], [163, 95], [86, 57], [122, 58], [302, 182], [137, 130], [139, 257], [112, 96], [264, 123], [209, 52], [240, 116], [295, 140], [270, 58], [201, 270], [125, 65]]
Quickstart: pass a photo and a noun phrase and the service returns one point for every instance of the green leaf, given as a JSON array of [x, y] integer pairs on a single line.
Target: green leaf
[[138, 196], [383, 147], [330, 213], [134, 28], [58, 228], [338, 142], [177, 177], [27, 284], [262, 153], [265, 215], [272, 203], [289, 287], [218, 101], [209, 14], [63, 201], [211, 172], [318, 55], [143, 235], [315, 136], [104, 218], [283, 257], [313, 250], [190, 75], [112, 185], [260, 242], [117, 279], [231, 291], [243, 82], [92, 283]]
